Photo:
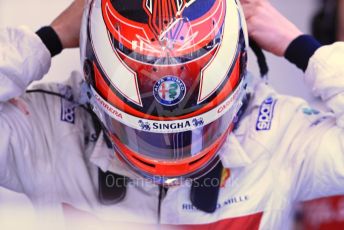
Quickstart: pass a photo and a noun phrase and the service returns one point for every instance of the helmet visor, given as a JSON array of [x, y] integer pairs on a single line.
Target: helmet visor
[[169, 141]]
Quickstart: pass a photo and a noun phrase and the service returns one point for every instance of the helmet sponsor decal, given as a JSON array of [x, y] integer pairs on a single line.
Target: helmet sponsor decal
[[230, 107], [169, 91], [144, 125], [265, 116], [184, 124], [198, 122]]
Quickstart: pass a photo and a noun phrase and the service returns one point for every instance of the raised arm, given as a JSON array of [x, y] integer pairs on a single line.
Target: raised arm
[[25, 57], [319, 145]]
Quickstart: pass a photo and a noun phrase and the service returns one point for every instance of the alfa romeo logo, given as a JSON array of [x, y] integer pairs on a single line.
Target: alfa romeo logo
[[169, 90]]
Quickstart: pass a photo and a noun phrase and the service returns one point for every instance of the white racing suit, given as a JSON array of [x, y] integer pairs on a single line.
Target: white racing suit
[[282, 152]]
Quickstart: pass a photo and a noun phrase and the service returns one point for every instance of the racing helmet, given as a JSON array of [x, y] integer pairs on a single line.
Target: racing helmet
[[166, 79]]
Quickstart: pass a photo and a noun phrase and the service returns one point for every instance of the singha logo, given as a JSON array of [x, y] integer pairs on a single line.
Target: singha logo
[[198, 122], [144, 125]]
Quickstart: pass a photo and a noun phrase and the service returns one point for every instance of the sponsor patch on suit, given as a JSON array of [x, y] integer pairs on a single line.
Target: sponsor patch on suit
[[265, 116]]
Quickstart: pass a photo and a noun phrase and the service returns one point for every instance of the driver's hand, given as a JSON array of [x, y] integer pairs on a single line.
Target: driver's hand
[[268, 27], [67, 24]]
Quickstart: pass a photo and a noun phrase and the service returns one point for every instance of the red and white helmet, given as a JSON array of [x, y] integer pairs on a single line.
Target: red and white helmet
[[167, 79]]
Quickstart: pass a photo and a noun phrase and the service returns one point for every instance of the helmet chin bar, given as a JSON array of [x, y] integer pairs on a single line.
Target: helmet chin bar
[[206, 162]]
